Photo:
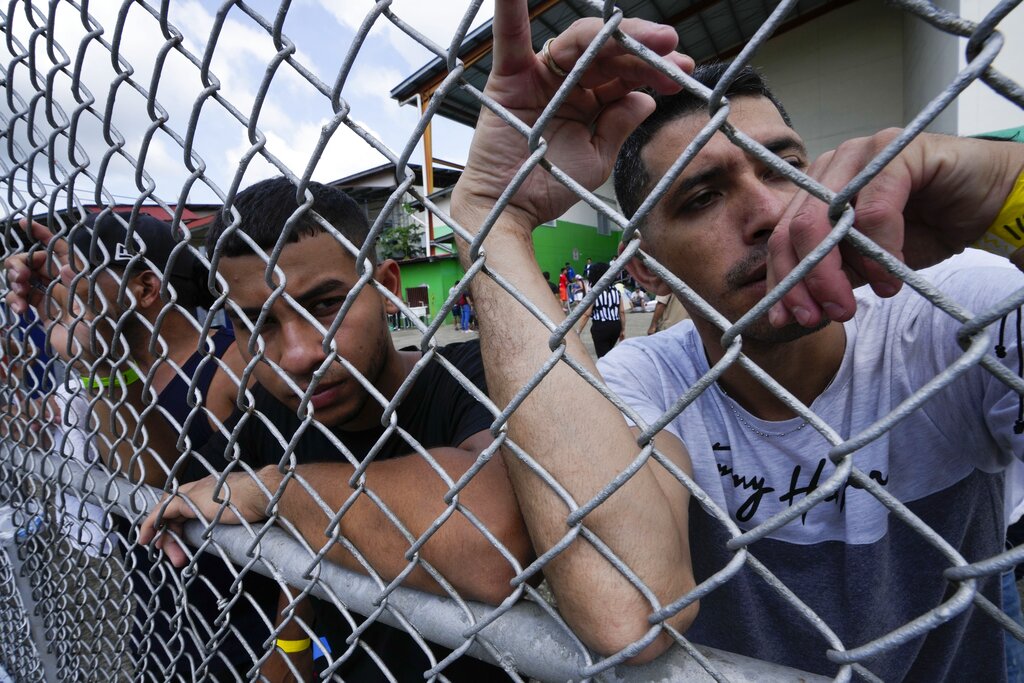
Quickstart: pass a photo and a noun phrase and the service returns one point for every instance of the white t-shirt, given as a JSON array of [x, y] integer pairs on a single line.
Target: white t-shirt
[[859, 568], [84, 524]]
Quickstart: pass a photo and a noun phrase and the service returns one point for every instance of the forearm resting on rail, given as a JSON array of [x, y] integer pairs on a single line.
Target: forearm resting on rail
[[414, 493]]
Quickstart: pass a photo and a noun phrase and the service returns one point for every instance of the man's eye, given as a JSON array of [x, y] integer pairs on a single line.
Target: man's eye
[[795, 161], [701, 201], [326, 306], [246, 321], [265, 327]]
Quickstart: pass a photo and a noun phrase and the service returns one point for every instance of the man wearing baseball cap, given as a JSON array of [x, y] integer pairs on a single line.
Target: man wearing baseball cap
[[107, 274], [102, 239]]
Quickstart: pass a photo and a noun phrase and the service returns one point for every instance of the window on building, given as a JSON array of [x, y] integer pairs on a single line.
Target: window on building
[[605, 225]]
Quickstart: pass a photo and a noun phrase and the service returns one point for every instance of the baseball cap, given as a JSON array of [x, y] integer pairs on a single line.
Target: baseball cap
[[103, 240]]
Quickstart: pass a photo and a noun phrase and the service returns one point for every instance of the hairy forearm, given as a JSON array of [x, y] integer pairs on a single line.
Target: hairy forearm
[[583, 441], [414, 493]]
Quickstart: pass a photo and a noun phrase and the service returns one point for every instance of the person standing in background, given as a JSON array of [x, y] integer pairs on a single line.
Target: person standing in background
[[578, 291], [607, 315], [552, 285], [457, 308], [466, 310], [563, 289], [667, 312]]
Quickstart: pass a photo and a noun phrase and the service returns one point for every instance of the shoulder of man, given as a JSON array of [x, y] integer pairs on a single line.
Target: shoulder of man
[[466, 357], [459, 406]]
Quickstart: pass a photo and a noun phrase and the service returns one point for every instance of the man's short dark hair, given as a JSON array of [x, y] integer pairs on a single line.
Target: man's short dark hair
[[632, 180], [597, 271], [266, 206]]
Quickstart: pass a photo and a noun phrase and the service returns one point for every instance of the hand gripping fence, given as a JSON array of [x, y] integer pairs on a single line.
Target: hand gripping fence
[[82, 464]]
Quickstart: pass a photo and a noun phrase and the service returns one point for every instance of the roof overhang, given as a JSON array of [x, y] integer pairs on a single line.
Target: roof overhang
[[708, 30], [375, 185]]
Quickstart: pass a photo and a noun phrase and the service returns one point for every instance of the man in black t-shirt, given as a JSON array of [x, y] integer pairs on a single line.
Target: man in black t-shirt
[[340, 389]]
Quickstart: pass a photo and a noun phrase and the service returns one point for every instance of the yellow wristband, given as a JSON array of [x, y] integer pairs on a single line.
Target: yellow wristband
[[122, 379], [1006, 234], [292, 646]]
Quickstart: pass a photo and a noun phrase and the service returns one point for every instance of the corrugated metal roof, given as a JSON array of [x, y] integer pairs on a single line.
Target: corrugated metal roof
[[708, 30]]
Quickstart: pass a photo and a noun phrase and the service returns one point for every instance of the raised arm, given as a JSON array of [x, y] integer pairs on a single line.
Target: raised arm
[[936, 198], [572, 432]]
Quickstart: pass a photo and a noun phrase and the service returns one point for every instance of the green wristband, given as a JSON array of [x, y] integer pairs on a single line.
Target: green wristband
[[121, 379]]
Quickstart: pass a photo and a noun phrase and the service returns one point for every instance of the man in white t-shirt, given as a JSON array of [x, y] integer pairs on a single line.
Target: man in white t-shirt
[[731, 226]]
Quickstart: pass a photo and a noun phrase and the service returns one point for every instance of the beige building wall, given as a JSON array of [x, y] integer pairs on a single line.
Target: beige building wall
[[841, 75]]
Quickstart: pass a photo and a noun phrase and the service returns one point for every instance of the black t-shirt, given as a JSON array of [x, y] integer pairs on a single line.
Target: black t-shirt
[[437, 411]]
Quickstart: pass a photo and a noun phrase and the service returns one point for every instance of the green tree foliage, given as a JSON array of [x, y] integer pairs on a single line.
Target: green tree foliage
[[401, 240]]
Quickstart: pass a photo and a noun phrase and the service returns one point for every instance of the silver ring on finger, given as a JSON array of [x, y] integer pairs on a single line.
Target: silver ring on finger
[[549, 61]]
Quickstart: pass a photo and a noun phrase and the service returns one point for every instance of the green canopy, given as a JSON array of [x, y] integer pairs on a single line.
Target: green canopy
[[1007, 134]]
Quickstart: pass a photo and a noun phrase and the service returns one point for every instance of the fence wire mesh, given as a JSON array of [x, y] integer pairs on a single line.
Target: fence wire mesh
[[396, 568]]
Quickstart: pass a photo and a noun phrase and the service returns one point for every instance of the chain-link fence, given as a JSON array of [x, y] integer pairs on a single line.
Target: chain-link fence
[[347, 513]]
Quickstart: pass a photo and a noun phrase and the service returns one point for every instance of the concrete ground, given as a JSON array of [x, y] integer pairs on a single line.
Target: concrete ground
[[636, 325]]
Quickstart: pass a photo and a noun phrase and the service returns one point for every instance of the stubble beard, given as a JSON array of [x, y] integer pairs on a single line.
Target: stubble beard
[[374, 371], [760, 331]]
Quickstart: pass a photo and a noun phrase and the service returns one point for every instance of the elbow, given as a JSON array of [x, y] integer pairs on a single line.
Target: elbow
[[611, 636], [494, 570]]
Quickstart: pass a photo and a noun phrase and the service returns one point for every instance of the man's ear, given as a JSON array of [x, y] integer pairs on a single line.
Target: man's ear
[[643, 275], [145, 287], [388, 274]]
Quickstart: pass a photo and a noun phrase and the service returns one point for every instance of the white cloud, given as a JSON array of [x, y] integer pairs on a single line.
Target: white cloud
[[292, 114], [346, 153], [437, 20], [369, 86], [372, 81]]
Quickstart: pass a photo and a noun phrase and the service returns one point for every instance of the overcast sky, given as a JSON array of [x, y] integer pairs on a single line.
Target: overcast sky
[[292, 117]]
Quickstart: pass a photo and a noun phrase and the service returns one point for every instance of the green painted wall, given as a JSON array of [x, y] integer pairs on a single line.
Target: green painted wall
[[437, 276], [554, 246]]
